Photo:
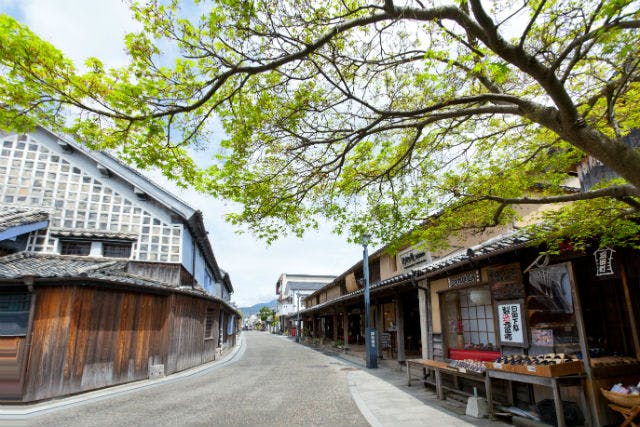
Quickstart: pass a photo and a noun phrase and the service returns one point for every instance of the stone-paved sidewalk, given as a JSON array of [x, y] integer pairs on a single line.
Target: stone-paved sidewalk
[[383, 397]]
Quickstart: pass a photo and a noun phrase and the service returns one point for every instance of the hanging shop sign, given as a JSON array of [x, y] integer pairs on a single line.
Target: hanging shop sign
[[511, 324], [413, 257], [604, 262], [506, 281], [468, 278]]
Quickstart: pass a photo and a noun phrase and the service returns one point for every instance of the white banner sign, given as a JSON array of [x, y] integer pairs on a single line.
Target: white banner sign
[[511, 326]]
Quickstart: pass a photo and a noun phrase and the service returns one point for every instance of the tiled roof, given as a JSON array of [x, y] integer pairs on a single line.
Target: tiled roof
[[54, 266], [51, 265], [494, 246], [92, 234], [13, 216]]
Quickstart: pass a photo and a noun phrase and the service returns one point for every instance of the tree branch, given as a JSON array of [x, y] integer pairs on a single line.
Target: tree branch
[[525, 33], [619, 191]]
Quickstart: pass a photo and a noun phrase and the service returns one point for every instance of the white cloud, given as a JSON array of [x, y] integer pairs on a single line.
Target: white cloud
[[82, 29]]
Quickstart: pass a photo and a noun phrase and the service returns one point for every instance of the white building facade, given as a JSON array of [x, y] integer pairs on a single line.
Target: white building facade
[[291, 289], [97, 206]]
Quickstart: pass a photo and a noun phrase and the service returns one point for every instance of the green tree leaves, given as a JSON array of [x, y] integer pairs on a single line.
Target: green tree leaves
[[373, 115]]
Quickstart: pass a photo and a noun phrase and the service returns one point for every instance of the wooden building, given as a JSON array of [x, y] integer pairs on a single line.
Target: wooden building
[[335, 312], [493, 297], [580, 304], [105, 278]]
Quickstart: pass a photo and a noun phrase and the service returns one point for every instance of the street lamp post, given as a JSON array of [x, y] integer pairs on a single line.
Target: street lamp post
[[298, 319], [370, 339]]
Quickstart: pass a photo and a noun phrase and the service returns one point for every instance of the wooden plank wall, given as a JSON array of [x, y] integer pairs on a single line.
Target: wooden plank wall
[[187, 346], [11, 354], [86, 338]]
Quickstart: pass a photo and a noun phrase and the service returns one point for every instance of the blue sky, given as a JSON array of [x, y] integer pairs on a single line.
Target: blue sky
[[81, 29]]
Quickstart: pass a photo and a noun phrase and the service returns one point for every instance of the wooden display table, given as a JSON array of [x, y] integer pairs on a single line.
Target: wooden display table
[[440, 368], [552, 382]]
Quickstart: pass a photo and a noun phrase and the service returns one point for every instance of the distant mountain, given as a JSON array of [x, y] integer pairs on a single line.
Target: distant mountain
[[248, 311]]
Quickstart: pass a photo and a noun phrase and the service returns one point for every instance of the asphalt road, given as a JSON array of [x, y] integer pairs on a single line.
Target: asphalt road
[[273, 383]]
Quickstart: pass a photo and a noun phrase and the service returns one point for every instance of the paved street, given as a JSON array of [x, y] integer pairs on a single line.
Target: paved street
[[268, 380], [274, 383]]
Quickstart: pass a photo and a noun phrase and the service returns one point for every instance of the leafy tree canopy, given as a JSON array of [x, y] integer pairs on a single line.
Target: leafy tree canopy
[[377, 115], [266, 313]]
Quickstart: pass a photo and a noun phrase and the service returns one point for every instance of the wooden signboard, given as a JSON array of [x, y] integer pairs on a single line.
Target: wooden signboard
[[506, 281], [464, 279]]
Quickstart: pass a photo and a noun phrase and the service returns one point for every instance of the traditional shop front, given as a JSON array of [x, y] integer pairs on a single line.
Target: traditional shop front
[[394, 314], [503, 302]]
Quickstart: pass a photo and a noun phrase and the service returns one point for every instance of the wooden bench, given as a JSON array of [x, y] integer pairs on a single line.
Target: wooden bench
[[440, 368]]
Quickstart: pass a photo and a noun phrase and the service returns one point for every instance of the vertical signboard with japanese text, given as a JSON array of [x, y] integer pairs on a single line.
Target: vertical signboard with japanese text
[[511, 323]]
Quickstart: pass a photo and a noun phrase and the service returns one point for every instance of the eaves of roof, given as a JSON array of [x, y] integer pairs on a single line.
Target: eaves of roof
[[93, 234], [14, 216], [492, 247], [354, 267], [61, 269], [196, 225]]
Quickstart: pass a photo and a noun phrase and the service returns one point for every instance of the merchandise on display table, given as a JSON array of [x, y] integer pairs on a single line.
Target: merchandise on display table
[[548, 365], [468, 365], [545, 359], [480, 347]]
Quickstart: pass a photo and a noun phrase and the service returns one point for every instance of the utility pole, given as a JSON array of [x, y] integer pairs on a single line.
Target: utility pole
[[370, 341]]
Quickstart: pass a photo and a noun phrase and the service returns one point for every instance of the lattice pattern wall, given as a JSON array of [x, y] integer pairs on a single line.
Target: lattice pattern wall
[[31, 174]]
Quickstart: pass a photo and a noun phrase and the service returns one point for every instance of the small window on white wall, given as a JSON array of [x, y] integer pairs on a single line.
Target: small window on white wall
[[116, 250], [72, 247]]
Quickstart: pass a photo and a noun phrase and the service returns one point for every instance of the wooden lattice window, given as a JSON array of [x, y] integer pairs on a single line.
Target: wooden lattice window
[[72, 247], [116, 250]]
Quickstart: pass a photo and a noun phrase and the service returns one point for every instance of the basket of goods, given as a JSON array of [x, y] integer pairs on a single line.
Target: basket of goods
[[626, 396]]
